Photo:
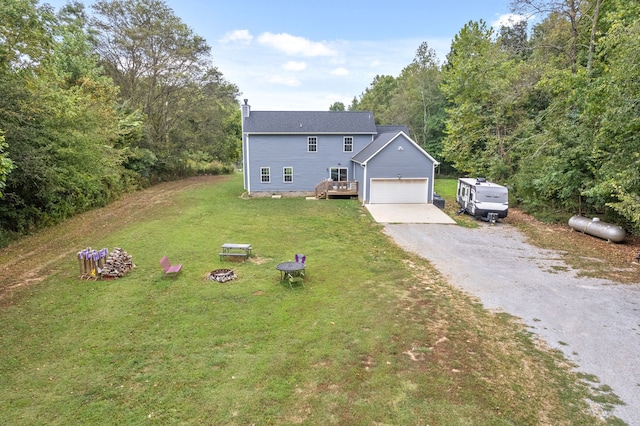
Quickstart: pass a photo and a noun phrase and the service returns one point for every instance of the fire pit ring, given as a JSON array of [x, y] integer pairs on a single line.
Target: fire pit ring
[[222, 275]]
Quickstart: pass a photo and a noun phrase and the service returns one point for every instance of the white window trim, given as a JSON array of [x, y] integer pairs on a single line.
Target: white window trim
[[284, 174], [338, 172], [344, 143], [309, 143], [268, 169]]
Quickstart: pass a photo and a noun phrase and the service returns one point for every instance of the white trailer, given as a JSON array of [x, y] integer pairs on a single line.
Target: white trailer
[[482, 199]]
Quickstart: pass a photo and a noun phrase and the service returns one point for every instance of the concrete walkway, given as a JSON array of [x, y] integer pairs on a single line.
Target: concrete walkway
[[408, 213]]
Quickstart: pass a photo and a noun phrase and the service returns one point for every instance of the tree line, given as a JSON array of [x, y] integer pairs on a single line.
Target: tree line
[[95, 103], [553, 111]]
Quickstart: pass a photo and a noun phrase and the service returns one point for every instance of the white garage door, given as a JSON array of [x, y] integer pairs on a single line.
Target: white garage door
[[399, 191]]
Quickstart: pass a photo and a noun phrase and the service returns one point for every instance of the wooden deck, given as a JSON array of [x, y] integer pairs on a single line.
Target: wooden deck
[[328, 189]]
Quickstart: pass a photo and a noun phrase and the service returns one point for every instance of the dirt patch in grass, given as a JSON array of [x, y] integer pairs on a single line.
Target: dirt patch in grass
[[30, 260], [592, 256]]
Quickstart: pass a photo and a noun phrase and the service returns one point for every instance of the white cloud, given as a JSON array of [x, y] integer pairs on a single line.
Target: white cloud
[[241, 36], [284, 81], [292, 45], [295, 66], [340, 71], [507, 20], [268, 79]]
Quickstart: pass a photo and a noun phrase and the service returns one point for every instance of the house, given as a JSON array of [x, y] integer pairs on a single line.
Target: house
[[333, 153]]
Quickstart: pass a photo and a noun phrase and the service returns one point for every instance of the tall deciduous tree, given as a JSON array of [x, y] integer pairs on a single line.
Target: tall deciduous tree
[[418, 101], [6, 165], [613, 106], [581, 18], [377, 97], [482, 83], [150, 54], [25, 38], [164, 69], [58, 113]]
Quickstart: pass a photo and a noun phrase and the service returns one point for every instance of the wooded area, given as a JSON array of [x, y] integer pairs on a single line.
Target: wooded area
[[552, 111], [96, 104]]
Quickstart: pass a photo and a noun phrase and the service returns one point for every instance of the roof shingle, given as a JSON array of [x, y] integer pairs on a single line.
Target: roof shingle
[[308, 122]]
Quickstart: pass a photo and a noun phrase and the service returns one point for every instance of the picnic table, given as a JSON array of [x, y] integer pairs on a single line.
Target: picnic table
[[235, 250]]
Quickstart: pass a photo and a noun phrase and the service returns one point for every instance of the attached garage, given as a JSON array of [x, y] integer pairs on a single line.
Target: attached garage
[[393, 169], [399, 191]]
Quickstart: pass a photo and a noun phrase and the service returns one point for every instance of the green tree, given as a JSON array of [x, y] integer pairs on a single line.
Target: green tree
[[58, 113], [151, 55], [164, 69], [419, 103], [6, 165], [337, 106], [578, 23], [355, 104], [25, 34], [559, 166], [206, 124], [486, 90], [514, 39], [613, 105], [377, 97]]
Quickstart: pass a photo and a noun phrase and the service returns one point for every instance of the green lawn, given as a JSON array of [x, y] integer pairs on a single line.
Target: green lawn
[[375, 337]]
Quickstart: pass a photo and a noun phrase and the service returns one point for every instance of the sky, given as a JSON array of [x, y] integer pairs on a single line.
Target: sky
[[306, 55]]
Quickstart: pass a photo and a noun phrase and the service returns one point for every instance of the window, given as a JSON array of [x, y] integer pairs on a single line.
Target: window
[[313, 144], [348, 144], [339, 174], [287, 174], [265, 175]]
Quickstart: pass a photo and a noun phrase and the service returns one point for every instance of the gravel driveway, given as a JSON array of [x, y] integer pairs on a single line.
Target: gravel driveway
[[595, 323]]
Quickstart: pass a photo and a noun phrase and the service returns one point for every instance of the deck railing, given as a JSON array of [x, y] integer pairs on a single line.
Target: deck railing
[[327, 188]]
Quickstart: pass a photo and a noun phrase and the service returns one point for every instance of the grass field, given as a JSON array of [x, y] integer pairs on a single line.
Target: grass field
[[377, 336]]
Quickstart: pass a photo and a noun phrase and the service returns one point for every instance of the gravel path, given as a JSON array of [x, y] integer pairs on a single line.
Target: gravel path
[[595, 323]]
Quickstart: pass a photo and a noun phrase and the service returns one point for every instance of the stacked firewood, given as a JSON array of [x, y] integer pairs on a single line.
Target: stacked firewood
[[118, 263]]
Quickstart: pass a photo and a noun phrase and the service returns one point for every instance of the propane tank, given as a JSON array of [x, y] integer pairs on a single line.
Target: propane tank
[[597, 228]]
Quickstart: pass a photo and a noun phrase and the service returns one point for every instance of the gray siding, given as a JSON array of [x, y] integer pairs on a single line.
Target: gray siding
[[309, 168], [279, 139], [410, 162]]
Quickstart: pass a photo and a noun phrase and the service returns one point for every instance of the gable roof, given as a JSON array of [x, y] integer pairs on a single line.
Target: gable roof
[[379, 143], [310, 122]]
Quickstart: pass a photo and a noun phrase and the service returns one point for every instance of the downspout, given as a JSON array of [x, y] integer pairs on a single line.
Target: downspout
[[248, 167], [245, 111], [431, 183], [364, 184]]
